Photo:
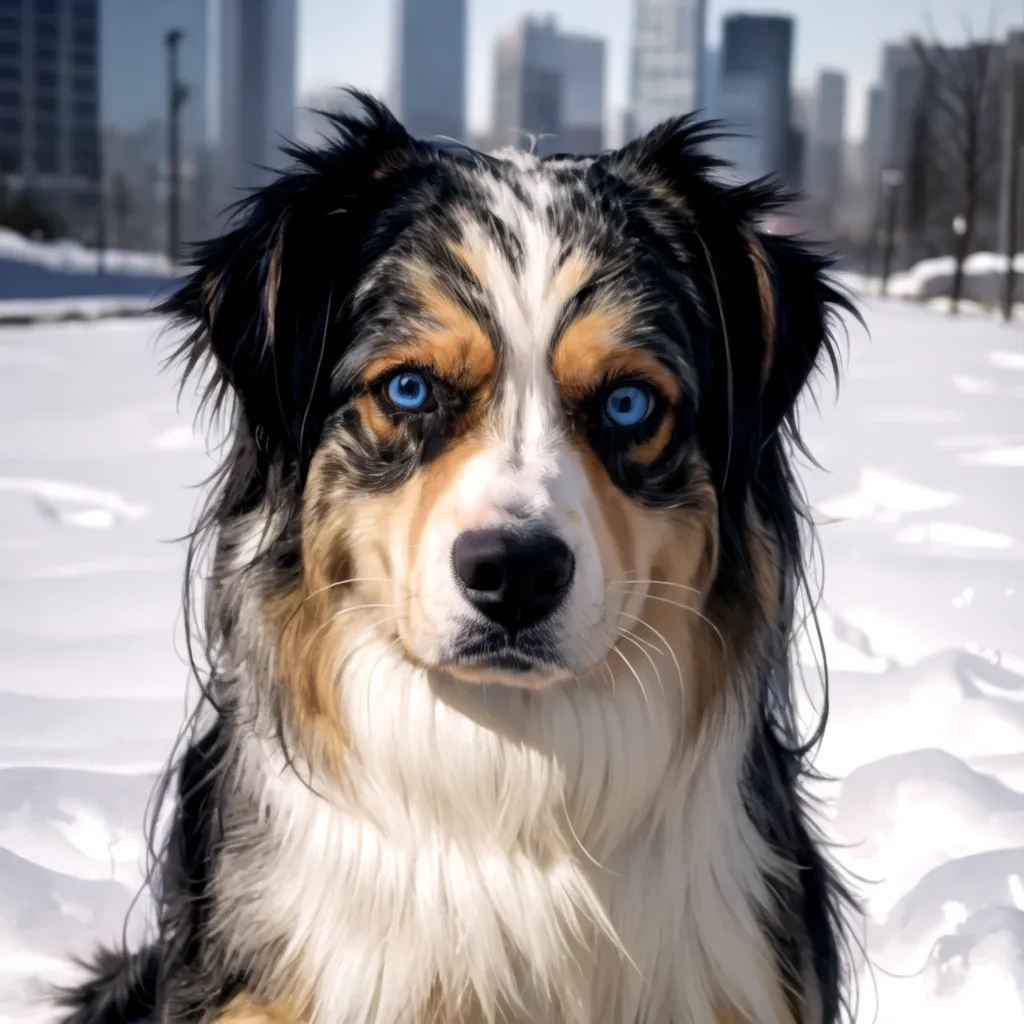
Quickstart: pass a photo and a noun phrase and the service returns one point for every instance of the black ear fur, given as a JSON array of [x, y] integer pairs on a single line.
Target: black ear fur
[[265, 302], [806, 305]]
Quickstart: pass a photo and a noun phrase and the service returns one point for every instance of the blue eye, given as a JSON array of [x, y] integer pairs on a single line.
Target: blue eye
[[628, 405], [408, 391]]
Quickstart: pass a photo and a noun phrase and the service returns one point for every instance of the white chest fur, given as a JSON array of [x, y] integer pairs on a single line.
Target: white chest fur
[[505, 855]]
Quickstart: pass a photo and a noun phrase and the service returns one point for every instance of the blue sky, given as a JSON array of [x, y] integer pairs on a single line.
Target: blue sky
[[348, 41]]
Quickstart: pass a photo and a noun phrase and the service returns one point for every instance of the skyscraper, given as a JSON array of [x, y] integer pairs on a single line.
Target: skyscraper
[[429, 67], [873, 139], [711, 80], [257, 90], [582, 113], [755, 99], [549, 89], [667, 61], [49, 120], [826, 132]]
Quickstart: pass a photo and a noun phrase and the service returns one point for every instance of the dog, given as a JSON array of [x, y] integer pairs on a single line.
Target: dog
[[498, 602]]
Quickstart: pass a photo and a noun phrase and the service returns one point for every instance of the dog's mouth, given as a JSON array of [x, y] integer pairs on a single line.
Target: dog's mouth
[[517, 658]]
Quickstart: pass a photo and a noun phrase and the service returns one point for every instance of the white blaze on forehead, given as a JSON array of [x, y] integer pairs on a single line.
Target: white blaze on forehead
[[493, 486], [527, 302]]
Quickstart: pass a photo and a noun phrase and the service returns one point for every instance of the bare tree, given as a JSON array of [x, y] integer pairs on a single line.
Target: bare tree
[[963, 89]]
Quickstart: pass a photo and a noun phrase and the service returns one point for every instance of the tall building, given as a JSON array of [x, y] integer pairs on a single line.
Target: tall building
[[711, 80], [667, 61], [257, 90], [549, 89], [134, 95], [756, 96], [873, 137], [902, 81], [825, 147], [49, 108], [429, 67], [582, 108]]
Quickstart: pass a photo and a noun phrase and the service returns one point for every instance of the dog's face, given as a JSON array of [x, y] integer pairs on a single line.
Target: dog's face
[[504, 398], [513, 445]]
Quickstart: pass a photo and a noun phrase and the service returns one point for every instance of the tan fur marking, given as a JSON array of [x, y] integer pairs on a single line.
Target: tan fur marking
[[590, 349], [470, 260], [274, 280], [243, 1010], [767, 296], [572, 275], [209, 294], [375, 419], [728, 639], [614, 506], [647, 452], [429, 485], [308, 629], [450, 343]]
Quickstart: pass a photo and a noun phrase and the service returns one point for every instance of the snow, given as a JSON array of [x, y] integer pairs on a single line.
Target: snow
[[919, 509], [71, 256], [19, 311]]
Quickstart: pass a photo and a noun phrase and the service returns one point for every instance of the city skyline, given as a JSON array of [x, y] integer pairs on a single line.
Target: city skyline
[[353, 46]]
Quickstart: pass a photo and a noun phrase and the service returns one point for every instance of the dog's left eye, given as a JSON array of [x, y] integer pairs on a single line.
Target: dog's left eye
[[408, 390], [628, 405]]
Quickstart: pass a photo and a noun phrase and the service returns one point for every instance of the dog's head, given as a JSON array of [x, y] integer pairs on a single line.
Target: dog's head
[[500, 400]]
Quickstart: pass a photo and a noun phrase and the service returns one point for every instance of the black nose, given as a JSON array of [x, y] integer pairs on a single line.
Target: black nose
[[513, 579]]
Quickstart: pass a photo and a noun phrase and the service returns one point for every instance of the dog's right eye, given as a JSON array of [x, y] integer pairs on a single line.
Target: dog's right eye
[[408, 391]]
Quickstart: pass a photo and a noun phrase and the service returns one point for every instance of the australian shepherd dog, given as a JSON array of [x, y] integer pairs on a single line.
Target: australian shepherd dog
[[498, 608]]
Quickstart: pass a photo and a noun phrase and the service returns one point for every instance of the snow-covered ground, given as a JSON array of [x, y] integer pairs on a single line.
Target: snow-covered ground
[[922, 507], [72, 257]]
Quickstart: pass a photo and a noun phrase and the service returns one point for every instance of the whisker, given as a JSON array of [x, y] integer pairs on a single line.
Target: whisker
[[636, 676], [333, 618], [659, 583], [338, 583], [636, 643], [638, 639], [693, 611], [664, 640]]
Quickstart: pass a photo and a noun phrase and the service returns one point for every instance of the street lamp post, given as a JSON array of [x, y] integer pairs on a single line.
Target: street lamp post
[[892, 178], [959, 255]]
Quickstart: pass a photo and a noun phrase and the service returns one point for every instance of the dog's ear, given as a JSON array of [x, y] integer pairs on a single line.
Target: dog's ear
[[800, 307], [264, 301], [774, 347]]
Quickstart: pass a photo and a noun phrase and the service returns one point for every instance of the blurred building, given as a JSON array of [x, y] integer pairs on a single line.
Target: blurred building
[[825, 135], [872, 158], [902, 82], [667, 61], [429, 67], [134, 99], [755, 98], [549, 89], [582, 108], [257, 91], [711, 80], [49, 109]]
